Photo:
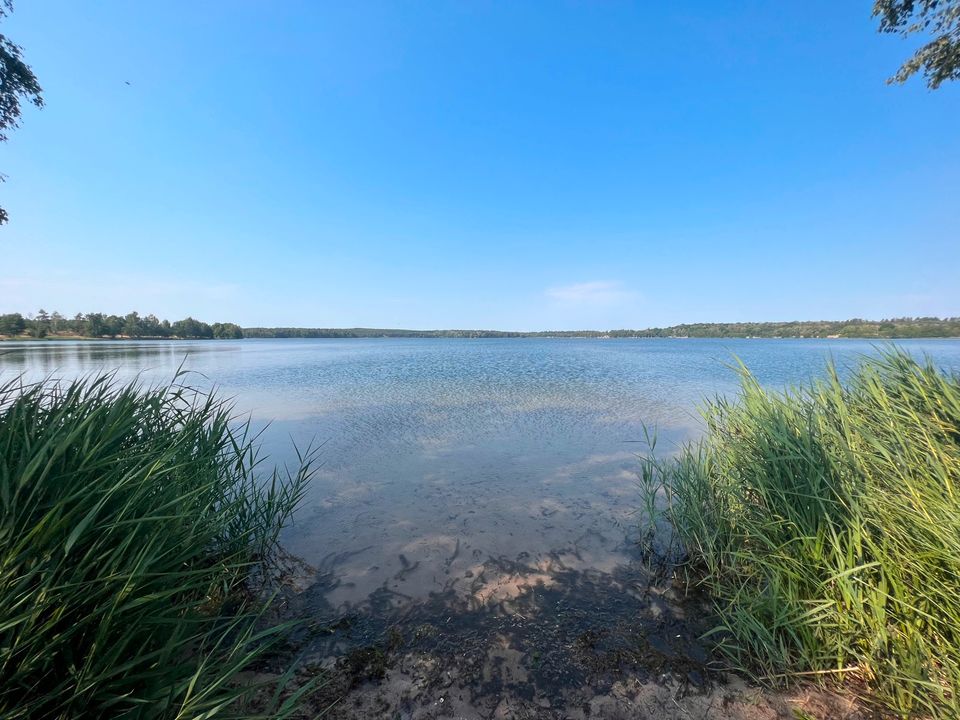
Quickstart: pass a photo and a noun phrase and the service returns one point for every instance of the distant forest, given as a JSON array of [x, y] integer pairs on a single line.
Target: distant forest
[[893, 328], [133, 325], [99, 325]]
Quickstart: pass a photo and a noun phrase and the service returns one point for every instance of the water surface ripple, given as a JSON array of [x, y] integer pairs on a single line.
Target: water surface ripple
[[440, 454]]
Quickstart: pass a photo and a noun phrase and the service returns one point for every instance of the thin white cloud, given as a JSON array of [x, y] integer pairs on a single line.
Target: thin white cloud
[[596, 293]]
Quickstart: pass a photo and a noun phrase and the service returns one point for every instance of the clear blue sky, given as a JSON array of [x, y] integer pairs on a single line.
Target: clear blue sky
[[514, 165]]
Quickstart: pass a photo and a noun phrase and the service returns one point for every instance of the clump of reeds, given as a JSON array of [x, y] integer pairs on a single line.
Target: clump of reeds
[[132, 519], [825, 524]]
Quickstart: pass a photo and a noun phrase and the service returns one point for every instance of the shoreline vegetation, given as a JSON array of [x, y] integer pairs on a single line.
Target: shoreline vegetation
[[133, 326], [139, 539], [823, 523]]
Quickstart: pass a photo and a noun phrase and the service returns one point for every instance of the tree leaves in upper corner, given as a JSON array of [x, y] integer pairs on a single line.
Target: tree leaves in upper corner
[[939, 59], [17, 84]]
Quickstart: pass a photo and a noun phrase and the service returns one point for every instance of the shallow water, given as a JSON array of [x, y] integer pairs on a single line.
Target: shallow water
[[440, 454]]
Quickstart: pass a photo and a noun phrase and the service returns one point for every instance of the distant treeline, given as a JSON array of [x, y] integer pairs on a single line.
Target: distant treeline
[[132, 325], [905, 327], [292, 332], [99, 325], [892, 328]]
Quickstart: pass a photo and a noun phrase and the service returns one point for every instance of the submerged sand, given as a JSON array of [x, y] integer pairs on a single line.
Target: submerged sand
[[511, 638]]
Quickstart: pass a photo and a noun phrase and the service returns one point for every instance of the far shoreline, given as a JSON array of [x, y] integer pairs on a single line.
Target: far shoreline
[[77, 339], [133, 326]]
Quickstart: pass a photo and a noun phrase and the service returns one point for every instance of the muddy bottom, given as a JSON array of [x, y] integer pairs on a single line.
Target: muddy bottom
[[519, 640]]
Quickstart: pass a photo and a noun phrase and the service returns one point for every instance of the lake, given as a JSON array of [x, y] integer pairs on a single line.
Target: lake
[[440, 454], [473, 519]]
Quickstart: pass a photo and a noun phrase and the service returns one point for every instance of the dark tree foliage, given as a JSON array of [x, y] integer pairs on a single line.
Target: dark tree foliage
[[17, 84], [940, 58], [99, 325], [12, 324], [227, 331], [190, 328]]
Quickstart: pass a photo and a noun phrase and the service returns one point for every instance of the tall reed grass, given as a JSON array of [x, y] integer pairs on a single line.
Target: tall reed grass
[[825, 524], [132, 521]]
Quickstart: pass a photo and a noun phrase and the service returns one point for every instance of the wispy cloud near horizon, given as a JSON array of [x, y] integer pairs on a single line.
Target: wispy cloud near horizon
[[596, 293]]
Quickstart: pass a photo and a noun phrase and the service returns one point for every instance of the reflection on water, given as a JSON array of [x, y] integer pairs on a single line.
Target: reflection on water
[[441, 454]]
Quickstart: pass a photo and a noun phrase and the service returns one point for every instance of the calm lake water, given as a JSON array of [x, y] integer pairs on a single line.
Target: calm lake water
[[441, 456]]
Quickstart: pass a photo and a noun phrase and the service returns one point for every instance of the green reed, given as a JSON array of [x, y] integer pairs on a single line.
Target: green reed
[[133, 521], [824, 522]]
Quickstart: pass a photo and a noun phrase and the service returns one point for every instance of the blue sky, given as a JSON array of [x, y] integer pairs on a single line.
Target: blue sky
[[506, 165]]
